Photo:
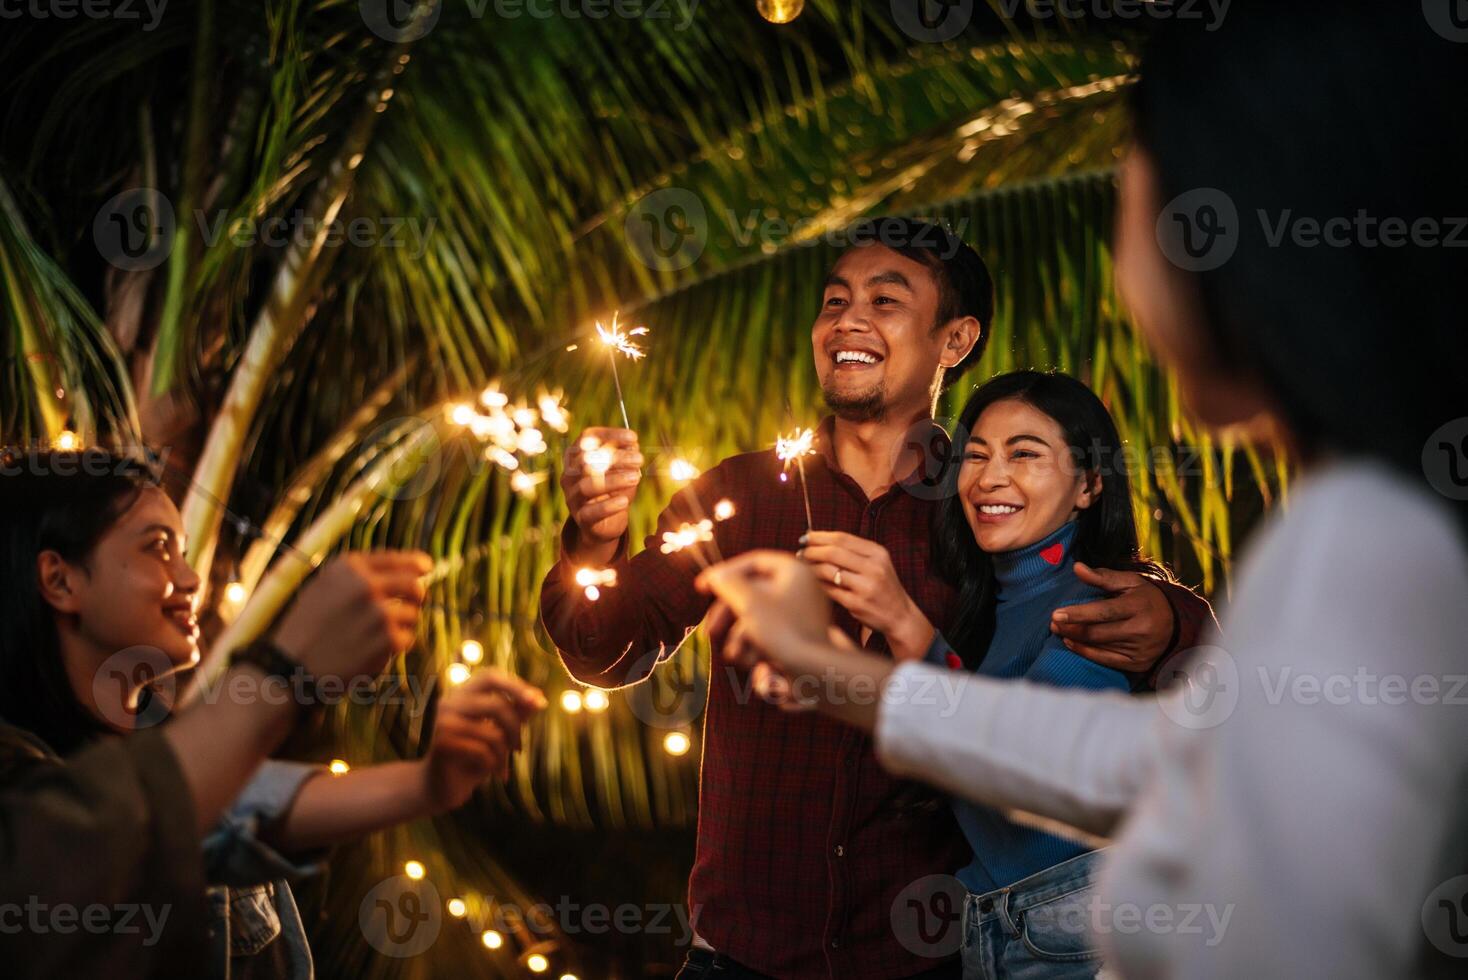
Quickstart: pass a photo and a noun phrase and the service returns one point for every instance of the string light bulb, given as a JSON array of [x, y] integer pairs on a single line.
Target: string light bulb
[[571, 702], [491, 939], [67, 440], [537, 963], [235, 594], [676, 743], [457, 908], [415, 870], [339, 767], [458, 673], [471, 651], [779, 11], [596, 700]]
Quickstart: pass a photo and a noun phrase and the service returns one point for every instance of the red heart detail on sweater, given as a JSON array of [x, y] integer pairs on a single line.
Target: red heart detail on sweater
[[955, 662], [1054, 553]]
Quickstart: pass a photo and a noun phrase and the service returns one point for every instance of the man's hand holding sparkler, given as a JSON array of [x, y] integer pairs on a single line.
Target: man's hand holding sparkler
[[602, 471]]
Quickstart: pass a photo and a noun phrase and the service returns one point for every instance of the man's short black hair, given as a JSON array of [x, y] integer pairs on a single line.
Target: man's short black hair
[[965, 287]]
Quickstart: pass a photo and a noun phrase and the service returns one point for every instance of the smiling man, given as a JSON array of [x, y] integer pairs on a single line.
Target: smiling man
[[805, 844]]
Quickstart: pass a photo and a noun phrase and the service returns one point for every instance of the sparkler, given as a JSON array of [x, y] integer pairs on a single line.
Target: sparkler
[[794, 448], [687, 536], [593, 580], [618, 342]]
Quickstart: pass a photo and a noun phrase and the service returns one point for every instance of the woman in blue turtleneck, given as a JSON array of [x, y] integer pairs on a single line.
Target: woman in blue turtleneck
[[1042, 485]]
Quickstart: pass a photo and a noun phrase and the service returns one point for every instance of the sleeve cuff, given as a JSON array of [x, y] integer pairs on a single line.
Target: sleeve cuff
[[234, 854]]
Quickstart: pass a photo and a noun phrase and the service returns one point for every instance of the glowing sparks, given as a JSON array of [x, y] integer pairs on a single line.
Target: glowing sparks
[[571, 702], [414, 870], [551, 412], [339, 767], [471, 652], [616, 341], [458, 673], [596, 700], [525, 483], [793, 449], [593, 580], [621, 341], [687, 536], [676, 743], [491, 939], [724, 509], [596, 457], [512, 433], [457, 908], [491, 397], [67, 441], [682, 471]]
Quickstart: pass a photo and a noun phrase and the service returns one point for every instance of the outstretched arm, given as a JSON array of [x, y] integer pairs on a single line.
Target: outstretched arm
[[476, 731], [631, 626]]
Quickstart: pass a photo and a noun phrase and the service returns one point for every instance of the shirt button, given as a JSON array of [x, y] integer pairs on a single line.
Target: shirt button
[[986, 905], [840, 851], [835, 943]]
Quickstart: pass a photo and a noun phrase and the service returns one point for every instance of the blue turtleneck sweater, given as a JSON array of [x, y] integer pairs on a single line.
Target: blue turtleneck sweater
[[1031, 583]]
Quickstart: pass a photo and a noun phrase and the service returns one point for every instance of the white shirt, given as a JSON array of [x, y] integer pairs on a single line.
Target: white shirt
[[1295, 824]]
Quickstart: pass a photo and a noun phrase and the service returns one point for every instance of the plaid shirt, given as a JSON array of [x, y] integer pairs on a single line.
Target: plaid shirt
[[804, 842]]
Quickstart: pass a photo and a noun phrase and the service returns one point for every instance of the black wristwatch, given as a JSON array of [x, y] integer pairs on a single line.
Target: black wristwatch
[[275, 662]]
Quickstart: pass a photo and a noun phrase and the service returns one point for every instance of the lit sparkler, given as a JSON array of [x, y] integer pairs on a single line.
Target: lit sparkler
[[687, 536], [794, 448], [723, 510], [617, 342], [593, 580]]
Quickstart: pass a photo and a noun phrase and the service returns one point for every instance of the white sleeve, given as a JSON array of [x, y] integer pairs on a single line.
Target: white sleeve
[[1334, 789], [1079, 757]]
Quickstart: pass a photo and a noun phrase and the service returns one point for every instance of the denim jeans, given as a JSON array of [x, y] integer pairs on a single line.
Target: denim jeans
[[1036, 929]]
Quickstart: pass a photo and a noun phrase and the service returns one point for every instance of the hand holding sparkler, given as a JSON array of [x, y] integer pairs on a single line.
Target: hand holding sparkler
[[603, 469]]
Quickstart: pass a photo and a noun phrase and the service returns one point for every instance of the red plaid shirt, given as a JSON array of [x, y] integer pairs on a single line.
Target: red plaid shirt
[[804, 841]]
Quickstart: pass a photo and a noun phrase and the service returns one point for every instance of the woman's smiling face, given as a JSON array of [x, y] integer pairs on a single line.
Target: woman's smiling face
[[1020, 480], [135, 589]]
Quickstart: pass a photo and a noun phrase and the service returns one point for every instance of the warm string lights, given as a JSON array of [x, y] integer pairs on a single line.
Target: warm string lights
[[793, 449], [617, 341]]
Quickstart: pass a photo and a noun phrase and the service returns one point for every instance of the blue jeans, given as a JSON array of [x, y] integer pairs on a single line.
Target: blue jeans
[[1036, 929]]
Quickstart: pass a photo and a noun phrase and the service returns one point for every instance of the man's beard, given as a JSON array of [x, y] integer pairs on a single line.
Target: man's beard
[[865, 406]]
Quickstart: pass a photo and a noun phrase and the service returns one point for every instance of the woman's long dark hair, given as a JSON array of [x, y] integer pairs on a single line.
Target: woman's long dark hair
[[1106, 532], [62, 502], [1348, 116]]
